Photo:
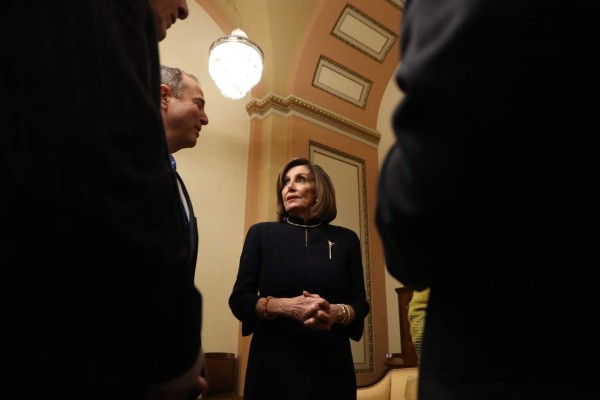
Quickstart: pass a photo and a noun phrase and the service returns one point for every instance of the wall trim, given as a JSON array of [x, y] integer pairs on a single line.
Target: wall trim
[[292, 105], [315, 147]]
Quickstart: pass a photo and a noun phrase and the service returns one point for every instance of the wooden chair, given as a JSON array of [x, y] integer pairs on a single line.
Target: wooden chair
[[221, 372], [408, 358]]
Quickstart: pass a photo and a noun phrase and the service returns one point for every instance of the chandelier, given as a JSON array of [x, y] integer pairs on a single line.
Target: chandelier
[[235, 63]]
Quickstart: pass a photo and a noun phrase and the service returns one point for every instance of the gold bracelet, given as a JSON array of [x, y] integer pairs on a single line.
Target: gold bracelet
[[266, 313], [345, 314]]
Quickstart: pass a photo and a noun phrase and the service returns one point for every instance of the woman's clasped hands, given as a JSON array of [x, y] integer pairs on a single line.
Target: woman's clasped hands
[[310, 309], [318, 313]]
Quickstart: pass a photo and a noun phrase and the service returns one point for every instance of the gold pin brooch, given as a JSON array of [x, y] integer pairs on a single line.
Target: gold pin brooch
[[330, 246]]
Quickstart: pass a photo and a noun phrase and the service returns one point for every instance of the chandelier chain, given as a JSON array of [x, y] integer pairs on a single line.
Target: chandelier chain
[[235, 10], [232, 4]]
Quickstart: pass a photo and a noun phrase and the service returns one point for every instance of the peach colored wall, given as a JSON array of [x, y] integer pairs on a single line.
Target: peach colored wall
[[360, 64]]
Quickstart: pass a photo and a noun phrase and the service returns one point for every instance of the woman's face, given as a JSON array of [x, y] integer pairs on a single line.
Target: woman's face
[[298, 192]]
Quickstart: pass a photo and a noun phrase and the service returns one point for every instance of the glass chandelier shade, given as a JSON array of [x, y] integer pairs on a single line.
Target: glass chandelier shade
[[235, 63]]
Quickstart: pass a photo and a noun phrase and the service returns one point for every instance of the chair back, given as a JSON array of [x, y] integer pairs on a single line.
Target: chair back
[[221, 373]]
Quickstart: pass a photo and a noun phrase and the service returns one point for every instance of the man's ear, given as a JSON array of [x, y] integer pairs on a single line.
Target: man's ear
[[165, 93]]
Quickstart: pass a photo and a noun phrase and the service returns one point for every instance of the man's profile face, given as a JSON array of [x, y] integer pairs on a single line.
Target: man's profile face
[[166, 13], [184, 115]]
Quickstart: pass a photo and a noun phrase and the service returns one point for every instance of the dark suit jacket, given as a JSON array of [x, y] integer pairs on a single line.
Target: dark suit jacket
[[191, 228], [489, 195], [95, 297]]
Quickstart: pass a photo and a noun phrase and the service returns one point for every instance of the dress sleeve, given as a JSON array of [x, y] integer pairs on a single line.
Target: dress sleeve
[[243, 298], [356, 294]]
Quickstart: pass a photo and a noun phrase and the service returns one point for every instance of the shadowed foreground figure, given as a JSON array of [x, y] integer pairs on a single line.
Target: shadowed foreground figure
[[95, 295], [489, 195]]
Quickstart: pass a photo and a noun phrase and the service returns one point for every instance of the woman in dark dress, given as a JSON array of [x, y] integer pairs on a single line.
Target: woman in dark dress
[[300, 291]]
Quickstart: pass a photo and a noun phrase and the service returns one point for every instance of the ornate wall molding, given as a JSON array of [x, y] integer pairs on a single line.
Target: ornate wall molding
[[399, 4], [304, 109], [358, 30], [339, 165], [341, 82]]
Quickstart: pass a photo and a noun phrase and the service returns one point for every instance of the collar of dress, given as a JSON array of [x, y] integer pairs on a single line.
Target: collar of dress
[[313, 223]]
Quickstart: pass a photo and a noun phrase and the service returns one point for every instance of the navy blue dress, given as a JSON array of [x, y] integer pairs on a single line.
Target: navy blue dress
[[288, 360]]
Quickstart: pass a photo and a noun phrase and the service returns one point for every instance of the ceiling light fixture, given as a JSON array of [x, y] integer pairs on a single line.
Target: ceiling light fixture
[[235, 63]]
